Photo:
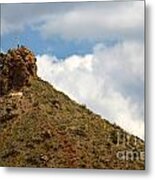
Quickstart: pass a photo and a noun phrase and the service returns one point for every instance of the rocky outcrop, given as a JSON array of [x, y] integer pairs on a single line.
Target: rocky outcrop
[[17, 67]]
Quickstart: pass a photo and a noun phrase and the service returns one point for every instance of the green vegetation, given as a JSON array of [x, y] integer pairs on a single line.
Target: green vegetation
[[44, 128]]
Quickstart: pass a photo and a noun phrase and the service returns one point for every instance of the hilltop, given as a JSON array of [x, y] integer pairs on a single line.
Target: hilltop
[[43, 127]]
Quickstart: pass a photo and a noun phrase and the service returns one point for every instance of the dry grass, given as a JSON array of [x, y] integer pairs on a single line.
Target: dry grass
[[44, 128]]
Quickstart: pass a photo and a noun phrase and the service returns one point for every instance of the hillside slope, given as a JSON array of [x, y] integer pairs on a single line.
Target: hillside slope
[[42, 127]]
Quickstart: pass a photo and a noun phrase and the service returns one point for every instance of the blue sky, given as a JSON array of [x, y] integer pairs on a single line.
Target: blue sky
[[56, 45], [92, 51], [27, 25]]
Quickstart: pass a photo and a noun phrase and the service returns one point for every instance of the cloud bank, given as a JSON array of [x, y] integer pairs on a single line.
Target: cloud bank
[[110, 81], [77, 21]]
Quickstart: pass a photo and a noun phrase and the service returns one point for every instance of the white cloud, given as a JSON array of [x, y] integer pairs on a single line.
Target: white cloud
[[109, 81], [97, 22], [76, 21]]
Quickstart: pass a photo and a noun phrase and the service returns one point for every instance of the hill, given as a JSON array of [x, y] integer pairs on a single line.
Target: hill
[[43, 127]]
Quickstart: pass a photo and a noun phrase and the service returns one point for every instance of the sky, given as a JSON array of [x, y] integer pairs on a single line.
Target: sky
[[92, 51]]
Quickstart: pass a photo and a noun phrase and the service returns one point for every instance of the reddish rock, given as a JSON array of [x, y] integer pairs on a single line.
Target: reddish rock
[[17, 67]]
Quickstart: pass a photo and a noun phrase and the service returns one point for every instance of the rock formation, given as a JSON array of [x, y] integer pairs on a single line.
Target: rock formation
[[17, 67]]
